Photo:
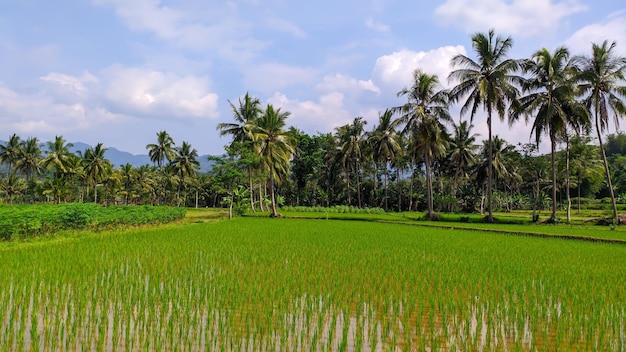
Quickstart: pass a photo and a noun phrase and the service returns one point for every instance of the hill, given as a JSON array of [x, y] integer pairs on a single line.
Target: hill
[[119, 157]]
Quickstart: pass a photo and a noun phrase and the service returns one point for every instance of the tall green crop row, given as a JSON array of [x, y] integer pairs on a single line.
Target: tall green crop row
[[267, 284], [27, 221]]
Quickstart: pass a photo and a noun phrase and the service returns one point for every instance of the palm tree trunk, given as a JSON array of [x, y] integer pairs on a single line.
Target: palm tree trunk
[[567, 183], [490, 170], [95, 193], [399, 189], [429, 188], [606, 170], [251, 192], [553, 161], [348, 181], [386, 194], [411, 190], [274, 212], [358, 183]]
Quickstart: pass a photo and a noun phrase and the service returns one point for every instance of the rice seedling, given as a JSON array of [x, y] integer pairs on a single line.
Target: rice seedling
[[316, 285]]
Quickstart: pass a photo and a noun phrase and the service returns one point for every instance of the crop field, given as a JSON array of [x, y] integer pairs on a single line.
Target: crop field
[[260, 284]]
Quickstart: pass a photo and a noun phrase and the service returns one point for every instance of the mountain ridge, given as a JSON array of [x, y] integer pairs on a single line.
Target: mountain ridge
[[119, 157]]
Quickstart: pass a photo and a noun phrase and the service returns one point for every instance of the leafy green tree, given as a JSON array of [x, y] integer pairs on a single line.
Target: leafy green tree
[[12, 186], [488, 83], [603, 75], [551, 99], [95, 165], [185, 163], [352, 140], [385, 145], [57, 156], [275, 146], [162, 150], [10, 152], [246, 116], [462, 151], [425, 112]]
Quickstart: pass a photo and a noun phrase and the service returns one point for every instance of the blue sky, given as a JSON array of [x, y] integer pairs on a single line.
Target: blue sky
[[119, 71]]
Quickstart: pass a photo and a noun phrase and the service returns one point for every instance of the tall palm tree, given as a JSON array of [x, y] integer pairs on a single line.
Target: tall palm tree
[[246, 116], [551, 99], [10, 152], [384, 143], [57, 156], [275, 146], [602, 76], [162, 150], [488, 83], [95, 166], [430, 140], [351, 140], [462, 151], [28, 162], [425, 112], [185, 162]]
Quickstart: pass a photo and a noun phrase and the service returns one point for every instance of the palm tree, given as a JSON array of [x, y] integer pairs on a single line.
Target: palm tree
[[430, 140], [551, 100], [95, 166], [162, 150], [462, 151], [57, 156], [602, 76], [28, 162], [246, 116], [488, 84], [185, 162], [351, 140], [275, 147], [11, 186], [384, 143], [10, 152], [425, 111], [500, 163]]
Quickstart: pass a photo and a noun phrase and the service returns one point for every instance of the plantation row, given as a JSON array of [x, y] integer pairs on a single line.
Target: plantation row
[[27, 221]]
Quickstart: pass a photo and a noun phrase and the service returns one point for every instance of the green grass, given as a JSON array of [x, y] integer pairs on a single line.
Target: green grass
[[297, 284]]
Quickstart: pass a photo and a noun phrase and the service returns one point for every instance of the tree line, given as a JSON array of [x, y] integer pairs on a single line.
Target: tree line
[[416, 157]]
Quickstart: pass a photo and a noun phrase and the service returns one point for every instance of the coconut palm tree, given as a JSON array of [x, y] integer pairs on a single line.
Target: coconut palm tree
[[425, 112], [462, 151], [488, 83], [275, 146], [245, 116], [384, 143], [29, 159], [351, 141], [430, 140], [551, 100], [185, 163], [602, 76], [10, 152], [95, 166], [162, 150], [57, 156]]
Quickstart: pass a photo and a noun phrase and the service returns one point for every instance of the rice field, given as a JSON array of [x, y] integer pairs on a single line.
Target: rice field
[[256, 284]]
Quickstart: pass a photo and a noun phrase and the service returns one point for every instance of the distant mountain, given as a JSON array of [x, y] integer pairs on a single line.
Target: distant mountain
[[119, 157]]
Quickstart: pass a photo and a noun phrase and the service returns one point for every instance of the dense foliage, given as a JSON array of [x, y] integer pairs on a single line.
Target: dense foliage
[[28, 221], [414, 158]]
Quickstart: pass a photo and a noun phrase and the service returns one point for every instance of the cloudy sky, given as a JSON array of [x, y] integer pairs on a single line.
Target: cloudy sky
[[119, 71]]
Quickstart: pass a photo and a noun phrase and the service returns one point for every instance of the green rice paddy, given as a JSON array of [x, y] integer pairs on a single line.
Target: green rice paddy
[[259, 284]]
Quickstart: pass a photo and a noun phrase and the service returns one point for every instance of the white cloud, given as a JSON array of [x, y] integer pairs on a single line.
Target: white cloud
[[157, 94], [377, 26], [271, 77], [519, 17], [343, 83], [613, 29], [314, 116], [198, 27], [395, 71]]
